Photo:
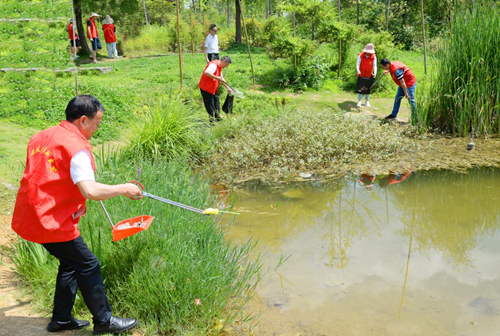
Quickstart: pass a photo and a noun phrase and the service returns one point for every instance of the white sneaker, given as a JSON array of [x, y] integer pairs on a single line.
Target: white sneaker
[[359, 104], [367, 104]]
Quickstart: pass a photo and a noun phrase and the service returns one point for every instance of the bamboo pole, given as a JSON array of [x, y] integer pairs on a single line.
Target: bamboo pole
[[340, 42], [357, 10], [248, 43], [179, 38], [294, 56], [192, 28], [423, 34]]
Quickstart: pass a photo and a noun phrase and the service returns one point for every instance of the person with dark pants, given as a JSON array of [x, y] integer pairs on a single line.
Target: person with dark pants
[[407, 82], [57, 181], [209, 84]]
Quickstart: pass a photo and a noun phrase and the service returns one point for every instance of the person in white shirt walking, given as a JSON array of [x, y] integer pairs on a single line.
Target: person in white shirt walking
[[211, 44]]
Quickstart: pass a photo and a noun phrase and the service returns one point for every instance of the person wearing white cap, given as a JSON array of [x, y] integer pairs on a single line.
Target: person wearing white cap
[[366, 67], [110, 36], [93, 36]]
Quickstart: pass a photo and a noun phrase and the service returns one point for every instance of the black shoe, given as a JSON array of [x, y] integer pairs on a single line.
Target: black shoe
[[53, 326], [114, 326], [390, 116]]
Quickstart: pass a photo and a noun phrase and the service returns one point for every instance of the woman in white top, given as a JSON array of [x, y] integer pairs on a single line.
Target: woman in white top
[[212, 44]]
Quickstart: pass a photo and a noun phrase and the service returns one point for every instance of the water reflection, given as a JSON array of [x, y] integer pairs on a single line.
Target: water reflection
[[349, 270]]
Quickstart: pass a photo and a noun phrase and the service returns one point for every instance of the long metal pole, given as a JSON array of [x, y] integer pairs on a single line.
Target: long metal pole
[[179, 39], [340, 42]]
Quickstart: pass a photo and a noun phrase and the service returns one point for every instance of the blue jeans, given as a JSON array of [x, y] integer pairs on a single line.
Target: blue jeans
[[360, 96], [400, 95], [112, 52]]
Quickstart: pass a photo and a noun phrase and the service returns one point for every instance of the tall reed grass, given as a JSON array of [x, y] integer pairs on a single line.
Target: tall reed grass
[[465, 92], [169, 130], [180, 277]]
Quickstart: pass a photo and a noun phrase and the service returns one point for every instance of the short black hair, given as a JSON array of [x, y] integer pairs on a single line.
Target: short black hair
[[385, 61], [212, 26], [83, 105], [226, 59]]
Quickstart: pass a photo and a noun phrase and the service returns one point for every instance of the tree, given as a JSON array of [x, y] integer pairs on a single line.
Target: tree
[[238, 18]]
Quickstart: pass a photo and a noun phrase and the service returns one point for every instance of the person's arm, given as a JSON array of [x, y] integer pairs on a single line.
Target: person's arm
[[375, 67], [400, 74], [210, 72], [206, 49], [100, 192], [357, 66], [82, 175]]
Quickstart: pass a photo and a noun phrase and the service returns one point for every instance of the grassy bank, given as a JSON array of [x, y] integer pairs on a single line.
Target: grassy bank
[[157, 275]]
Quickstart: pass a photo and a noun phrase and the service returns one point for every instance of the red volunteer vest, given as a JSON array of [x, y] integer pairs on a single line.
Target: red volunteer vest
[[366, 66], [409, 77], [392, 180], [70, 32], [48, 200], [93, 29], [209, 84], [109, 32]]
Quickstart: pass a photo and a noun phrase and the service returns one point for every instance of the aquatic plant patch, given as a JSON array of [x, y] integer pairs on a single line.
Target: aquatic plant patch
[[296, 141]]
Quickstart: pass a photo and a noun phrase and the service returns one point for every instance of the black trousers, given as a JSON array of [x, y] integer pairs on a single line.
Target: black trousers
[[213, 56], [212, 105], [80, 268]]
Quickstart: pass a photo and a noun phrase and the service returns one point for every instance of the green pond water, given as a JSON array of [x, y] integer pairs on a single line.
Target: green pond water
[[418, 256]]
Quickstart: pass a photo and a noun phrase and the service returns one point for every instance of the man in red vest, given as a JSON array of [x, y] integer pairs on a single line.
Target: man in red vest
[[93, 36], [209, 83], [407, 82], [57, 181], [74, 41]]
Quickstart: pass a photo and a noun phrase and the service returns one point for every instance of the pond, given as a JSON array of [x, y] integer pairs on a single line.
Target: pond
[[411, 254]]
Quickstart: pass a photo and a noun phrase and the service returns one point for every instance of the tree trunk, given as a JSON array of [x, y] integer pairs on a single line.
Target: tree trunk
[[268, 9], [79, 25], [237, 37], [423, 34], [145, 12], [357, 9]]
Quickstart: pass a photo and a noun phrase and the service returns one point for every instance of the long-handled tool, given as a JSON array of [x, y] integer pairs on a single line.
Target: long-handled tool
[[235, 92], [375, 83]]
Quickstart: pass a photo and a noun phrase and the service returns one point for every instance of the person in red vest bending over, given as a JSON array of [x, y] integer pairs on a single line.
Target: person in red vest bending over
[[407, 82], [74, 41], [209, 83], [366, 67], [57, 181], [109, 36], [93, 36]]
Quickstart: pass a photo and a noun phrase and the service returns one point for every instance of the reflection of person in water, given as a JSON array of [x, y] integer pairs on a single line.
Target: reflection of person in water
[[366, 181], [393, 179]]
